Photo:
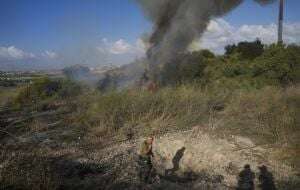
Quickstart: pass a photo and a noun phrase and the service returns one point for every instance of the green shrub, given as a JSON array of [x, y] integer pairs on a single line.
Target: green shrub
[[39, 90], [278, 64], [250, 62], [246, 50], [185, 68], [70, 89], [43, 89]]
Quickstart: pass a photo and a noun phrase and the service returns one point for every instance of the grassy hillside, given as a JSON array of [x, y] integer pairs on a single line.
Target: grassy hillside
[[254, 96]]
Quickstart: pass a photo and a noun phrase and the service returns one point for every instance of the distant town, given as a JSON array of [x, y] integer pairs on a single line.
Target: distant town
[[16, 78]]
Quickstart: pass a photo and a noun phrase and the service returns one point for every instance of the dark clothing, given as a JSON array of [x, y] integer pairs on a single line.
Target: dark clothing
[[266, 180], [145, 165], [246, 180], [176, 159]]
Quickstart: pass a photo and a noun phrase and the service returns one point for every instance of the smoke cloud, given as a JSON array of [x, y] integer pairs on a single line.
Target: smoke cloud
[[177, 23]]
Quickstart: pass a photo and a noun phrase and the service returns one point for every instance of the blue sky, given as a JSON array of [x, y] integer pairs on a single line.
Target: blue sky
[[56, 27], [252, 13], [42, 24]]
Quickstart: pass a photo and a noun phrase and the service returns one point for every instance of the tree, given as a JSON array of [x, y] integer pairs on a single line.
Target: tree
[[279, 64], [186, 67], [230, 49], [247, 50], [108, 82]]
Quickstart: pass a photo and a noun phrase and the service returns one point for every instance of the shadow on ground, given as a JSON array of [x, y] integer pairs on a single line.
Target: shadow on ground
[[22, 171], [37, 171]]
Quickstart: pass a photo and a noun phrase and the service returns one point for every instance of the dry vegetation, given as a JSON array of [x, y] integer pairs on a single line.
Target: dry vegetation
[[58, 134], [93, 121]]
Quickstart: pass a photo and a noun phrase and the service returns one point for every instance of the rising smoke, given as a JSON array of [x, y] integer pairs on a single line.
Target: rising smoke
[[177, 23]]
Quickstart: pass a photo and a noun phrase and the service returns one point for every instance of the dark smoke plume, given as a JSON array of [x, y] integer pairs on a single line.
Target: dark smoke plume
[[178, 22]]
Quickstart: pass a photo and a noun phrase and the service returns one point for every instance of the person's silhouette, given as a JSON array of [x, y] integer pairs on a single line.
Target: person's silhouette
[[176, 159], [246, 179], [266, 179]]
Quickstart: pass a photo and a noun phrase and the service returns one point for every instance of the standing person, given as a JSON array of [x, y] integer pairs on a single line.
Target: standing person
[[266, 179], [145, 163], [246, 179]]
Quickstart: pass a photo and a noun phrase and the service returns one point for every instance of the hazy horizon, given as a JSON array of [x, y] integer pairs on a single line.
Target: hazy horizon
[[50, 34]]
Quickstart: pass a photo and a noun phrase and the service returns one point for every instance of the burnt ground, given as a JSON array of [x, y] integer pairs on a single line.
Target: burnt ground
[[61, 157]]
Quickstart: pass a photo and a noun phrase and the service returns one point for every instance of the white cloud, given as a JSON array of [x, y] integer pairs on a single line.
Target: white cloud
[[220, 33], [121, 47], [120, 52], [50, 54], [141, 46], [12, 53]]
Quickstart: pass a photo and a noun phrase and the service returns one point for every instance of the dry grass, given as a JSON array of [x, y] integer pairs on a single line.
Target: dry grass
[[271, 113], [27, 170], [266, 116], [7, 94], [267, 113]]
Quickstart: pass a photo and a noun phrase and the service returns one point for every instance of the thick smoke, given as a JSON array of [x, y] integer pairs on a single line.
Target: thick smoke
[[178, 22]]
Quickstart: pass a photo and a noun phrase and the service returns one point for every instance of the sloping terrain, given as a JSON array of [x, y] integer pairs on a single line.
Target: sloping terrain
[[90, 141], [222, 159], [194, 159]]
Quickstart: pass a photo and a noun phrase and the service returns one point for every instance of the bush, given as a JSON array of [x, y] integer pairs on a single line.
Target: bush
[[70, 89], [249, 62], [247, 50], [278, 64], [46, 88], [185, 68], [39, 90], [109, 82]]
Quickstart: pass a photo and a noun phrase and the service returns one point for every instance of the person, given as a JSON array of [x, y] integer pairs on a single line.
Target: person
[[246, 179], [176, 159], [145, 163], [266, 179]]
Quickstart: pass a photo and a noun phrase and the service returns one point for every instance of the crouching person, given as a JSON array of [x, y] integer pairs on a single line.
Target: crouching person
[[145, 162]]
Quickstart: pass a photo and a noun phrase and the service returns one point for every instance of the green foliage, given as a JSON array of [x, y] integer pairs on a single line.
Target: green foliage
[[45, 88], [69, 89], [7, 83], [185, 67], [40, 89], [230, 49], [234, 67], [258, 98], [249, 64], [109, 82], [278, 64], [247, 50]]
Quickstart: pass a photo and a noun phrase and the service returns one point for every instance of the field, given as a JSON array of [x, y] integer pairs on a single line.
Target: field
[[68, 127], [219, 112]]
